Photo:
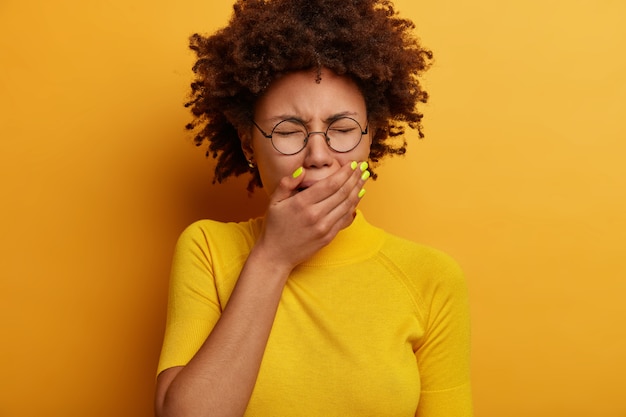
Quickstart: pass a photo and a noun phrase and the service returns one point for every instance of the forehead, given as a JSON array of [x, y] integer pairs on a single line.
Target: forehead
[[301, 94]]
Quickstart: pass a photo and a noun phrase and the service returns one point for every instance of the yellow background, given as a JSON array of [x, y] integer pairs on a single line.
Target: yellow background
[[521, 178]]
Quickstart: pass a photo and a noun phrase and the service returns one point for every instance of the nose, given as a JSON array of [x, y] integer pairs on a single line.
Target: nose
[[317, 152]]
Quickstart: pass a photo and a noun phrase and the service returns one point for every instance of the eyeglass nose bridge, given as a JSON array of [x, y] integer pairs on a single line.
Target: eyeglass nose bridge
[[325, 134]]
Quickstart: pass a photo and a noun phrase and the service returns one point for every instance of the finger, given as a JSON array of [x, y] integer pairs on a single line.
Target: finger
[[344, 209], [329, 186], [347, 194], [288, 185], [337, 210]]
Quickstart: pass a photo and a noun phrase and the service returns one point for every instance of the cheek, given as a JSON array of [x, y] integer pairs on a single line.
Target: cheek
[[270, 182], [272, 171], [364, 147]]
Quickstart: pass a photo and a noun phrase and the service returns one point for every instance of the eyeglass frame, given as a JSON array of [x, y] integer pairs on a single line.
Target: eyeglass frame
[[308, 134]]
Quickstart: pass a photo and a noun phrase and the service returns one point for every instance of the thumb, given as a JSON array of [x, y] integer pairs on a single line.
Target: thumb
[[288, 186]]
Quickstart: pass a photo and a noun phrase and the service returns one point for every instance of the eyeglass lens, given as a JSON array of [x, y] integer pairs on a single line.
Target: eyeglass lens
[[342, 135]]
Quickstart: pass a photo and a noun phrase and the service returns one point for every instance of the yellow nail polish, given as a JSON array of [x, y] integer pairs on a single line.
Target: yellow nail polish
[[297, 172], [365, 175], [353, 165], [362, 192], [363, 166]]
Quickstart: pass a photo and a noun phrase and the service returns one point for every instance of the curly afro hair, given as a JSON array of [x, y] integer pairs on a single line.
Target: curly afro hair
[[364, 40]]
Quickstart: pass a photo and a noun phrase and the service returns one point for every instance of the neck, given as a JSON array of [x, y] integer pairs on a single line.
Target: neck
[[358, 241]]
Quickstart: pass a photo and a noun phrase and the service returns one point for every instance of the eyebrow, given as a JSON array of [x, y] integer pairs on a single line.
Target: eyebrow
[[329, 119]]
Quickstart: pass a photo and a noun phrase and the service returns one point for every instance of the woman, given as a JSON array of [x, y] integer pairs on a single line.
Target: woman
[[310, 310]]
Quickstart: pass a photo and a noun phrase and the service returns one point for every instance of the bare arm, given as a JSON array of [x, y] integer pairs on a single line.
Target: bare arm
[[219, 379], [221, 376]]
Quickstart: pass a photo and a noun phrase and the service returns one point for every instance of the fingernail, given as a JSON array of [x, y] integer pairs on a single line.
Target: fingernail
[[363, 166], [353, 165], [365, 175], [362, 192], [297, 172]]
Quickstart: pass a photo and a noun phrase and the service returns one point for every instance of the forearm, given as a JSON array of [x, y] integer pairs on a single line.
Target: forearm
[[219, 380]]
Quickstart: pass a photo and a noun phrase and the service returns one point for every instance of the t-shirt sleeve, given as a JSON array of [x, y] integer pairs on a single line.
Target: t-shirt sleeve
[[443, 356], [193, 303]]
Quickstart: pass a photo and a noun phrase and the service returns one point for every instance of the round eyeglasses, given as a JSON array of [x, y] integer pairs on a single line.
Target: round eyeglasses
[[290, 136]]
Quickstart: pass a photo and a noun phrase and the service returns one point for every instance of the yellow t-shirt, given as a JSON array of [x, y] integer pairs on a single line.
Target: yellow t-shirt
[[372, 325]]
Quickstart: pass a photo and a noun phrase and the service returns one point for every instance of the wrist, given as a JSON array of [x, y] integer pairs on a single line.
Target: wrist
[[273, 265]]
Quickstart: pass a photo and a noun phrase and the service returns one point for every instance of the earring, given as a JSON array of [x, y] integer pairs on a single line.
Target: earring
[[251, 164]]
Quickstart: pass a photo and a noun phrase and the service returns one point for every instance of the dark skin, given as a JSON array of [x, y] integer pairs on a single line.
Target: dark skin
[[220, 378], [265, 40]]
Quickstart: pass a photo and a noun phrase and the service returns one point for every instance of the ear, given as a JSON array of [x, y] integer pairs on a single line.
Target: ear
[[245, 138]]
